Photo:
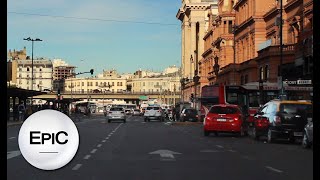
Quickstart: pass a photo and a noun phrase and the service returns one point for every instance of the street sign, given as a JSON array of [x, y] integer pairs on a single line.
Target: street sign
[[143, 98]]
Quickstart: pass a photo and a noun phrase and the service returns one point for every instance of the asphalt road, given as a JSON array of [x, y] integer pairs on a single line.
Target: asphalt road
[[160, 150]]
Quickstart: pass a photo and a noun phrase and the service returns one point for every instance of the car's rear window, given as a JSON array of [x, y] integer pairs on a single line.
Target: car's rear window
[[116, 109], [155, 108], [191, 111], [296, 108], [223, 110]]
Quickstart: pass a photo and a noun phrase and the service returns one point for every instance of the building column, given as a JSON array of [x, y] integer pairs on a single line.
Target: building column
[[192, 47]]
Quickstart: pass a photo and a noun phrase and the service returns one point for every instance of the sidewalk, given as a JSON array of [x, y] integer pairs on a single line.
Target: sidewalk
[[14, 123]]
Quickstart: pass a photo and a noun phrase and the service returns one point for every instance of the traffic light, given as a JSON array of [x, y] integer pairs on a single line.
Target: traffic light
[[191, 97], [91, 71]]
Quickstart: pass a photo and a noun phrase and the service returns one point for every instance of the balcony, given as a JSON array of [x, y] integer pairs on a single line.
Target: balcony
[[274, 50]]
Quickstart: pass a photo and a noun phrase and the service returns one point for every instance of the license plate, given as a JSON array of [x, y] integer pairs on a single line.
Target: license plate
[[221, 120], [297, 133]]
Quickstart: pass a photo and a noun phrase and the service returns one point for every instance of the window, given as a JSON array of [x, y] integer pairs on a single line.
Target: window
[[223, 110], [246, 80], [112, 83], [261, 73], [20, 69], [230, 27], [82, 83], [266, 72], [97, 83], [242, 79], [105, 84]]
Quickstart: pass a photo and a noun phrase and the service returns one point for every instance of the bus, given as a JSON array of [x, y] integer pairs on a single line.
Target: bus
[[247, 96]]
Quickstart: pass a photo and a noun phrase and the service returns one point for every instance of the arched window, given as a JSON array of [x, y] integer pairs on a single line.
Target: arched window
[[261, 73], [28, 69], [266, 72]]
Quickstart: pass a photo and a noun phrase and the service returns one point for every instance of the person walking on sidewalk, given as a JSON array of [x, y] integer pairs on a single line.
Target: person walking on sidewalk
[[22, 112]]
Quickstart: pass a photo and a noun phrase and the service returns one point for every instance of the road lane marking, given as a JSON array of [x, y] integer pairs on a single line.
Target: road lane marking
[[99, 145], [232, 150], [93, 151], [103, 141], [209, 151], [12, 137], [273, 169], [76, 167], [12, 154], [109, 135], [219, 146], [87, 157]]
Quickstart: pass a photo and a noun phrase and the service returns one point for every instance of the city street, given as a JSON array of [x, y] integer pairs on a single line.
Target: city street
[[165, 150]]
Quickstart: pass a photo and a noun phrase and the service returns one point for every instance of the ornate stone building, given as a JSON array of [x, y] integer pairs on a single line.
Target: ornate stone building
[[194, 25]]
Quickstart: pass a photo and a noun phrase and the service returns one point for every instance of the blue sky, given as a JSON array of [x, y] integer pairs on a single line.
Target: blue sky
[[100, 44]]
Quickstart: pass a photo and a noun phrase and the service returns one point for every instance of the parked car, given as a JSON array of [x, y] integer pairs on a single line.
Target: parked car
[[307, 139], [136, 112], [116, 113], [283, 119], [189, 114], [153, 112], [225, 118]]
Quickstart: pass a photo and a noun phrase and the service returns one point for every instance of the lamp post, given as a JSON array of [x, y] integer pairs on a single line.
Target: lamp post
[[261, 90], [281, 52], [196, 81], [32, 40], [235, 27]]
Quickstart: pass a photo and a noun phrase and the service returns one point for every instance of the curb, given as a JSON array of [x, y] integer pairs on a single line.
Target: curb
[[14, 124]]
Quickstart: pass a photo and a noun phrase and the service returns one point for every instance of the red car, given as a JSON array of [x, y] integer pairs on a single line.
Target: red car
[[225, 118]]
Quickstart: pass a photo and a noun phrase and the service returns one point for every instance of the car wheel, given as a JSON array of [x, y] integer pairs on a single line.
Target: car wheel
[[145, 119], [305, 141], [109, 121], [254, 134], [216, 133], [270, 136], [124, 121], [206, 133]]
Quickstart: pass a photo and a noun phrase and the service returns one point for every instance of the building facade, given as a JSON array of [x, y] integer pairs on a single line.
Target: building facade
[[42, 74], [194, 25]]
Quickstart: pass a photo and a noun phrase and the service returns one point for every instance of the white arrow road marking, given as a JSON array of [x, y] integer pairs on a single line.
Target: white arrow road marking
[[165, 155], [12, 154], [12, 137]]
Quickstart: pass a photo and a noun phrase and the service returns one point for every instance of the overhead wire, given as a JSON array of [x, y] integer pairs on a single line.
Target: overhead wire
[[93, 19]]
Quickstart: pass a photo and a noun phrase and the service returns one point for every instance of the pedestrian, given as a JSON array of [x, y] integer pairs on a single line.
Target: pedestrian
[[15, 113], [22, 111]]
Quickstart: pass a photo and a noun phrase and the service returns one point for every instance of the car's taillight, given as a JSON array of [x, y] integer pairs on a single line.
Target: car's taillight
[[197, 115], [159, 111], [184, 115], [110, 112], [208, 118], [236, 119], [277, 119]]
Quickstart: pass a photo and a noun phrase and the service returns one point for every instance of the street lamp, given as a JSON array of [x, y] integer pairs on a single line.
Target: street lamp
[[281, 52], [32, 40], [235, 27]]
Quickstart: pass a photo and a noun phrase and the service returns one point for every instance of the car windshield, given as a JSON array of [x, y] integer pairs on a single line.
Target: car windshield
[[223, 110], [116, 109], [191, 111]]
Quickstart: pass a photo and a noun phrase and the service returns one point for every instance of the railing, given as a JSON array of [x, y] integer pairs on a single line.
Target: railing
[[275, 50]]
